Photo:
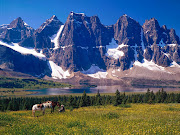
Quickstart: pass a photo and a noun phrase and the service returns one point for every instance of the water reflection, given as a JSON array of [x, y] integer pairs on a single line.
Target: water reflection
[[102, 89]]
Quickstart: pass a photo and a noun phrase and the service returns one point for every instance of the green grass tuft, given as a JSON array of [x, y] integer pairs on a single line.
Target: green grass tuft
[[111, 115]]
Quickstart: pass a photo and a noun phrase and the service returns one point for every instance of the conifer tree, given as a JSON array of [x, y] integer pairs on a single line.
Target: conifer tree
[[117, 100], [108, 100], [147, 96], [163, 95], [83, 101], [98, 99], [70, 100]]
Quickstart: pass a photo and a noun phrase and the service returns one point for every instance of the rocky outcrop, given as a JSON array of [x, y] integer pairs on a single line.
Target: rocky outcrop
[[159, 57], [29, 64], [41, 37], [83, 42], [155, 34], [127, 31], [16, 31]]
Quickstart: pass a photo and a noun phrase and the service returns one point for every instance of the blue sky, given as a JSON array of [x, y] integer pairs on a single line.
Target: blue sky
[[35, 12]]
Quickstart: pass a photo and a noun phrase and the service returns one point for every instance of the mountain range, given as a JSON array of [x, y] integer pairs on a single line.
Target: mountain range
[[83, 50]]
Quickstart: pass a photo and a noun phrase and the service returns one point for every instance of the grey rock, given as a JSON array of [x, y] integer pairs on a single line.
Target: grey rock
[[29, 64], [16, 31], [127, 31], [41, 37]]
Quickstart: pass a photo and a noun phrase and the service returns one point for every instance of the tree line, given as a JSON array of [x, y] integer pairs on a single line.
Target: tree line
[[8, 82], [26, 103]]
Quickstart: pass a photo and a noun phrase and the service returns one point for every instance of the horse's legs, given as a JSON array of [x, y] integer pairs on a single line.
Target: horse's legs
[[52, 109], [43, 112], [33, 113]]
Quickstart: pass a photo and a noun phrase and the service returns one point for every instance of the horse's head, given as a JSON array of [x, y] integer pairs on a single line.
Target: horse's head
[[55, 103], [58, 104]]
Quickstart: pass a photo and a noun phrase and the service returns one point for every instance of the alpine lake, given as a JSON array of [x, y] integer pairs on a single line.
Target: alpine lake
[[101, 89]]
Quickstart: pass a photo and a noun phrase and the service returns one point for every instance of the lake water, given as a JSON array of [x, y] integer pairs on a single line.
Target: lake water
[[102, 89]]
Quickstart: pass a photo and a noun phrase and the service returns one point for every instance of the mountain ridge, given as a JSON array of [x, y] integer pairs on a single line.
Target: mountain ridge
[[83, 43]]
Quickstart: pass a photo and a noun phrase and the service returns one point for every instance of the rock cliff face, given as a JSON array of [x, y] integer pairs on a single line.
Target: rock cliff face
[[41, 38], [84, 43], [16, 31], [159, 35], [29, 64]]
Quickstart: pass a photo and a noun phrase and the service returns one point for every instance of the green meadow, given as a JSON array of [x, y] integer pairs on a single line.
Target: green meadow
[[149, 119]]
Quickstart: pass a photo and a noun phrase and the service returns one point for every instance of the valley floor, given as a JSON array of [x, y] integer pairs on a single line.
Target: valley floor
[[132, 119]]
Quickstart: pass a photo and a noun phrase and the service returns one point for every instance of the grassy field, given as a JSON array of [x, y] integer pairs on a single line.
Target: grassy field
[[130, 119]]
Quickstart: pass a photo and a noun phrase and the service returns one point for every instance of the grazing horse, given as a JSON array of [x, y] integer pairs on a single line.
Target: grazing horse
[[54, 105], [41, 107]]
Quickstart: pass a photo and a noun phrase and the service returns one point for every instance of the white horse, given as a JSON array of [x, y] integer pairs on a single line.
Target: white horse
[[41, 107]]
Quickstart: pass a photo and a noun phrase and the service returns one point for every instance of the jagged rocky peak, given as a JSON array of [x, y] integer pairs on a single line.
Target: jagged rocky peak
[[78, 18], [54, 17], [127, 31], [17, 23], [174, 39], [41, 37], [80, 42], [150, 25], [152, 31], [89, 29], [155, 34], [76, 14], [164, 27], [50, 26], [153, 22], [125, 16], [16, 31], [95, 19]]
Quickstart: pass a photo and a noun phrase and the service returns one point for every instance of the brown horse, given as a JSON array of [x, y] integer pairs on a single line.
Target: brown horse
[[53, 105]]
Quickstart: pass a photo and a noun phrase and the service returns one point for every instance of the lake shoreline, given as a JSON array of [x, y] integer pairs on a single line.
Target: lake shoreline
[[94, 90]]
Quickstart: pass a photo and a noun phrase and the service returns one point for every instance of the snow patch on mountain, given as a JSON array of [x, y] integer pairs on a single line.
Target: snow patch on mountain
[[85, 48], [98, 75], [95, 72], [3, 26], [142, 42], [63, 47], [135, 51], [23, 50], [57, 71], [113, 50], [174, 64], [122, 45], [149, 65], [26, 24], [55, 37], [167, 54], [172, 45], [73, 13]]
